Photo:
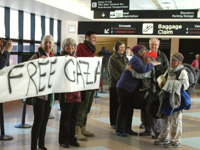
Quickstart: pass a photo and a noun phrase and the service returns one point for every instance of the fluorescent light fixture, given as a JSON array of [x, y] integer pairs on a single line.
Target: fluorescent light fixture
[[71, 6]]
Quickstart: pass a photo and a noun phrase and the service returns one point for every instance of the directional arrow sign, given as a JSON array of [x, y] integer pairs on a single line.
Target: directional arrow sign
[[106, 31], [103, 15]]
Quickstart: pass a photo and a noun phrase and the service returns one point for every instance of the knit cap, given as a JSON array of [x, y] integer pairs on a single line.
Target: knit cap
[[137, 48], [178, 57]]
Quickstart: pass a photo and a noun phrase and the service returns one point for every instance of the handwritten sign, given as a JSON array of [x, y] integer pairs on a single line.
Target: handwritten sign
[[51, 75]]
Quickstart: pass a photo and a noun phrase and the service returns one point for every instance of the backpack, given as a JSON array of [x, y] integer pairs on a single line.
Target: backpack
[[191, 76]]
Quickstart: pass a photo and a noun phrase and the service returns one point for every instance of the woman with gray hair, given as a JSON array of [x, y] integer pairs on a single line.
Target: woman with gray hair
[[116, 65], [42, 106], [69, 105]]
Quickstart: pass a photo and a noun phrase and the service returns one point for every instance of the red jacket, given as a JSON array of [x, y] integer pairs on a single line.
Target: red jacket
[[194, 63], [84, 51]]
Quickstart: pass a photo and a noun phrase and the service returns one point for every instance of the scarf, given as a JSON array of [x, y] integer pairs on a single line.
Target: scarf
[[172, 71], [90, 46]]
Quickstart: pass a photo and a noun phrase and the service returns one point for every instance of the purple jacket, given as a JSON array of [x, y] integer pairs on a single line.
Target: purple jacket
[[127, 82]]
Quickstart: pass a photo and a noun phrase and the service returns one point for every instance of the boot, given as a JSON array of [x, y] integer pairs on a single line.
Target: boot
[[86, 133], [79, 135]]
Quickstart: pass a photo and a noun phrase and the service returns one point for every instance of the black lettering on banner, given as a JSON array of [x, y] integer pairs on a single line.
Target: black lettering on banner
[[70, 60], [13, 77], [87, 73], [51, 72], [42, 75], [79, 73], [31, 77], [97, 72]]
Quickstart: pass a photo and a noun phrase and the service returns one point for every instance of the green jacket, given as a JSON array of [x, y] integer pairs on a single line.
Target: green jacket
[[116, 65]]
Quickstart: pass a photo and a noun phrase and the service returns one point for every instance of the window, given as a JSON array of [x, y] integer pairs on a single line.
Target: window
[[27, 26], [15, 47], [14, 25], [38, 28], [36, 47], [2, 22], [55, 31], [47, 26], [13, 59], [26, 47]]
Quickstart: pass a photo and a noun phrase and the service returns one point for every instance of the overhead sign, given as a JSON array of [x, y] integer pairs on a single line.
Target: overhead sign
[[50, 75], [109, 4], [137, 14], [141, 28]]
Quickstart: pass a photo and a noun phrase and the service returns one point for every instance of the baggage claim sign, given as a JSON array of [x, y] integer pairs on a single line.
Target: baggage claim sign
[[142, 28]]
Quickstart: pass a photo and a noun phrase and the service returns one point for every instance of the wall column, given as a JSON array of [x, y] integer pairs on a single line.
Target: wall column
[[174, 46], [69, 30], [132, 42]]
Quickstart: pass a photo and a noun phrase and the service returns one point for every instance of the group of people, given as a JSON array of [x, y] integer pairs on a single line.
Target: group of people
[[74, 106], [130, 74], [133, 85]]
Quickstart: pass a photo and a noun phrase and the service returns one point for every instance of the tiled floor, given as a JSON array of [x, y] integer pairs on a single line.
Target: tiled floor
[[98, 123]]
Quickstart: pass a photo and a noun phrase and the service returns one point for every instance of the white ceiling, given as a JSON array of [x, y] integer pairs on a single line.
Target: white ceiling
[[73, 13]]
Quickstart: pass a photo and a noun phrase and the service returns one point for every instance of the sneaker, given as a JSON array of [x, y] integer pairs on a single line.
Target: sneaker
[[123, 134], [161, 142], [173, 144], [132, 133], [154, 136], [146, 133], [113, 126], [141, 126]]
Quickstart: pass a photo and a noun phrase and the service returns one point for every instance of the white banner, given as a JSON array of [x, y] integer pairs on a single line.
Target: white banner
[[50, 75]]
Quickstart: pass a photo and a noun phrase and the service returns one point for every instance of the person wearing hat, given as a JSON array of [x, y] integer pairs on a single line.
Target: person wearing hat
[[85, 49], [116, 65], [147, 88], [154, 44], [173, 86], [149, 57], [126, 87]]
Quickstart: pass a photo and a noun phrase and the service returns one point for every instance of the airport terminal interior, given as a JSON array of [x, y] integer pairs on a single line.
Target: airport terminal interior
[[26, 22]]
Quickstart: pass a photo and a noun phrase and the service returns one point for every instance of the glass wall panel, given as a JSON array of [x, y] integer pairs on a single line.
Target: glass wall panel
[[38, 28], [2, 22], [13, 59], [14, 25], [47, 26], [27, 26]]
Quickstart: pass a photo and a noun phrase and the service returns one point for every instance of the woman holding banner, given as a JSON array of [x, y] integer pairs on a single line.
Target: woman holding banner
[[69, 105], [42, 106]]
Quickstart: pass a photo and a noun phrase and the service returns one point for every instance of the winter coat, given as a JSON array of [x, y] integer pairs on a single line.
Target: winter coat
[[84, 51], [127, 82], [4, 58], [116, 65]]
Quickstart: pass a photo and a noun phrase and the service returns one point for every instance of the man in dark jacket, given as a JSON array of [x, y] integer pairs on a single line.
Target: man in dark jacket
[[85, 49], [5, 54], [155, 124], [154, 44]]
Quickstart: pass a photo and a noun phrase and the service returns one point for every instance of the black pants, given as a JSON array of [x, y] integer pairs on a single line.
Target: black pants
[[41, 111], [125, 111], [113, 105], [149, 122], [68, 122]]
